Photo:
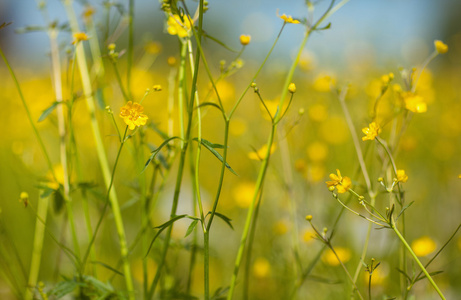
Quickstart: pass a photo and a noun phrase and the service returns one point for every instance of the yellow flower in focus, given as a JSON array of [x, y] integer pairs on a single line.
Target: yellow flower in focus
[[440, 47], [342, 184], [177, 27], [423, 246], [245, 39], [414, 103], [288, 19], [79, 36], [261, 267], [330, 258], [243, 194], [261, 153], [371, 132], [401, 176], [132, 114]]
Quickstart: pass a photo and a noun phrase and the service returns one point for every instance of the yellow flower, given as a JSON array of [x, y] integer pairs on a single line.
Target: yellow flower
[[245, 39], [292, 88], [132, 115], [261, 153], [401, 176], [178, 27], [414, 103], [371, 132], [317, 151], [288, 19], [342, 184], [79, 36], [24, 198], [243, 194], [323, 83], [330, 258], [440, 47], [153, 47], [261, 267], [423, 246], [280, 227]]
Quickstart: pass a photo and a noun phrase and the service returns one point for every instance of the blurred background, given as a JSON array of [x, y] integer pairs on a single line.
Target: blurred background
[[367, 39]]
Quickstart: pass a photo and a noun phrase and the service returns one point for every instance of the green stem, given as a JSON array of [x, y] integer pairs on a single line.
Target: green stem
[[87, 89], [130, 46], [418, 262], [39, 235]]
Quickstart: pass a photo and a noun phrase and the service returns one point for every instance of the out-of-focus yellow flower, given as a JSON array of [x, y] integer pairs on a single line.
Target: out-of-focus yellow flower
[[323, 83], [88, 12], [245, 39], [330, 258], [342, 184], [440, 47], [317, 151], [153, 47], [292, 88], [24, 198], [414, 103], [178, 27], [54, 183], [243, 194], [288, 19], [79, 36], [316, 172], [238, 127], [318, 112], [334, 131], [280, 227], [423, 246], [308, 236], [401, 176], [378, 277], [300, 165], [171, 61], [261, 153], [387, 78], [261, 267], [371, 132], [132, 114]]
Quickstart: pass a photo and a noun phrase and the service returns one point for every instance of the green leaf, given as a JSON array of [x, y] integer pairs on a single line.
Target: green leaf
[[405, 274], [209, 146], [63, 288], [405, 208], [220, 293], [432, 274], [328, 26], [48, 111], [108, 267], [210, 104], [5, 24], [191, 227], [58, 201], [219, 42], [154, 153], [155, 128], [163, 227], [225, 219]]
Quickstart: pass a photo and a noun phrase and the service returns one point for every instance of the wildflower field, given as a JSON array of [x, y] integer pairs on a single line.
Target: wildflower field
[[175, 162]]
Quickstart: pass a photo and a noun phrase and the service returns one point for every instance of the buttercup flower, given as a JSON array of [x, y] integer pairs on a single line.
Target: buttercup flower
[[292, 88], [261, 153], [342, 184], [423, 246], [440, 47], [177, 27], [132, 115], [414, 103], [288, 19], [245, 39], [401, 176], [79, 36], [371, 132]]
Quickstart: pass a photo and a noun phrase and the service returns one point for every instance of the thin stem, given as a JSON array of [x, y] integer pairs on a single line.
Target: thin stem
[[418, 262], [37, 248]]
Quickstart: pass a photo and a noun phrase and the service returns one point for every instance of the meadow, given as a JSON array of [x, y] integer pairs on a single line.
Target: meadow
[[175, 167]]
